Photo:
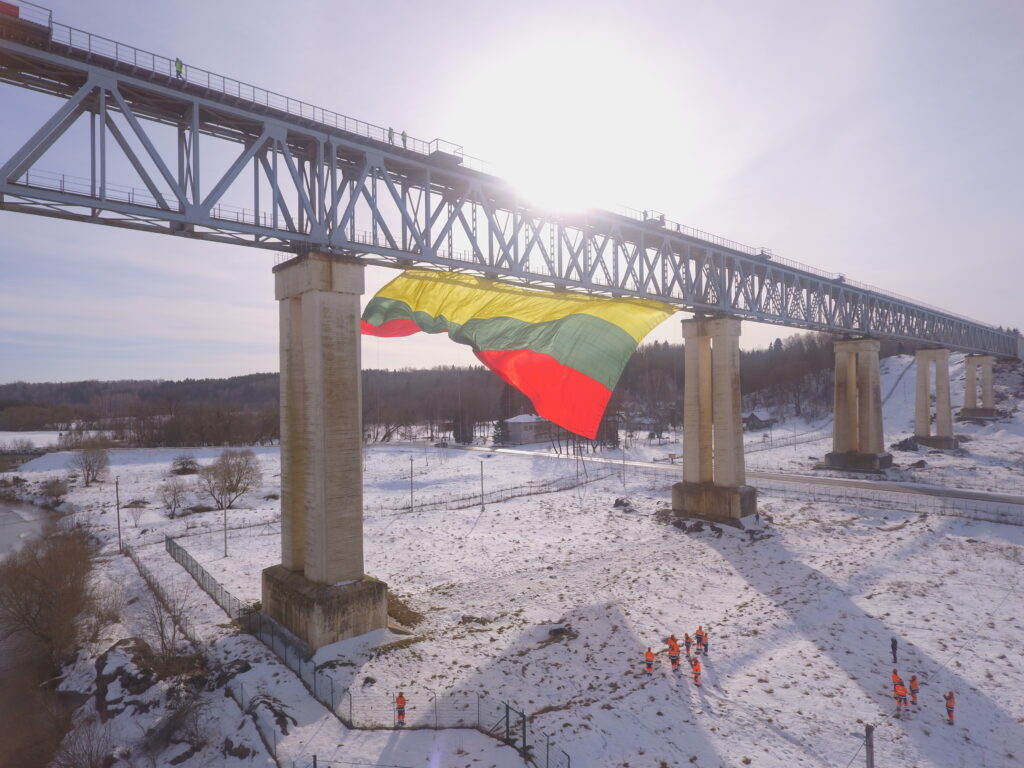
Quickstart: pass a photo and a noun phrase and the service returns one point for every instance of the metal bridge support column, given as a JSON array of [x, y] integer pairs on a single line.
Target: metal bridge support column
[[858, 439], [319, 592], [714, 475], [943, 437], [971, 409]]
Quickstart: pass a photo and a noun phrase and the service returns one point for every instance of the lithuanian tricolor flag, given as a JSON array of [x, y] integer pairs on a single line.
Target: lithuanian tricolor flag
[[565, 351]]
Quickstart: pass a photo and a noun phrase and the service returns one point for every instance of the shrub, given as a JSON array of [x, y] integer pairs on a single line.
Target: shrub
[[55, 489], [184, 465], [43, 589]]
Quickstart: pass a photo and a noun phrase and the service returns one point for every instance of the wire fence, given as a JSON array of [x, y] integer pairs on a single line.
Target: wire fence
[[494, 496], [232, 606], [167, 598], [769, 441]]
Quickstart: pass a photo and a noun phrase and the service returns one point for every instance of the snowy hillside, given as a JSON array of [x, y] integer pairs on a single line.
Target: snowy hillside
[[550, 600]]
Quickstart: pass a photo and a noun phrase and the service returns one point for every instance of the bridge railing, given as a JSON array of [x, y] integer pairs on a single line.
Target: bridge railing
[[97, 46]]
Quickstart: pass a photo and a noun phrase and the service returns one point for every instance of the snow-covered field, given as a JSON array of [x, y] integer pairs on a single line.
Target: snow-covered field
[[800, 619]]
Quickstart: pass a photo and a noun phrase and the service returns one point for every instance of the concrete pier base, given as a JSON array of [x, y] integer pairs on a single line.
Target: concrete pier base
[[321, 614], [939, 441], [977, 413], [858, 461], [715, 503]]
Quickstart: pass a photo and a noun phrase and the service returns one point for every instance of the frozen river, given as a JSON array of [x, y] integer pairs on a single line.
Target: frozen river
[[18, 522]]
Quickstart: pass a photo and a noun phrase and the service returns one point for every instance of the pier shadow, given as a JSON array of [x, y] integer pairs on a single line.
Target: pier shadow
[[768, 562]]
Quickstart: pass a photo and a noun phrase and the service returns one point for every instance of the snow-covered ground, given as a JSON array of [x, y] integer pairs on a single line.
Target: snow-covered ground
[[800, 619], [37, 439]]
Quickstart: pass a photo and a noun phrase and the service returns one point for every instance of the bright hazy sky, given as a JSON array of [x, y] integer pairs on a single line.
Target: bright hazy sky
[[878, 139]]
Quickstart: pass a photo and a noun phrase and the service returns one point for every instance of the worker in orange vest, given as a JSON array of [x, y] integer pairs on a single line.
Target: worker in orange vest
[[705, 641], [649, 661], [896, 679], [699, 637], [400, 702], [899, 690], [950, 704], [687, 641], [696, 671], [914, 688], [673, 651]]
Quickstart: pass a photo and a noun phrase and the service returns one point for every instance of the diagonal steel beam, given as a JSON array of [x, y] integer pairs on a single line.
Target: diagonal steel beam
[[45, 137]]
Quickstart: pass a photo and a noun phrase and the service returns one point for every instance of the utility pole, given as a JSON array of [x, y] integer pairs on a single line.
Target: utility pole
[[481, 485], [225, 531], [869, 745], [117, 500], [411, 499]]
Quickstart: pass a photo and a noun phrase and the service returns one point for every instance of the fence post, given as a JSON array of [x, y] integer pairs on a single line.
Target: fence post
[[525, 746], [508, 733], [869, 745]]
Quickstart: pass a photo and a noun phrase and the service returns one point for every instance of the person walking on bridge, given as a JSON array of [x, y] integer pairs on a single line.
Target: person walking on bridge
[[950, 706], [649, 661], [405, 139], [179, 69], [400, 702], [391, 135]]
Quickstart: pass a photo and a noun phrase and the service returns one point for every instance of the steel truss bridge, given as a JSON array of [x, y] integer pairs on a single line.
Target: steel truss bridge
[[199, 155]]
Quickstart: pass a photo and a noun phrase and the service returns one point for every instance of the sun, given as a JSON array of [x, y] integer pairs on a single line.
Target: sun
[[557, 117]]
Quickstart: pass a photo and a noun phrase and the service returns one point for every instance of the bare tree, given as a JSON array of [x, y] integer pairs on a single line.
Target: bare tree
[[233, 474], [164, 615], [92, 461], [88, 745], [173, 493]]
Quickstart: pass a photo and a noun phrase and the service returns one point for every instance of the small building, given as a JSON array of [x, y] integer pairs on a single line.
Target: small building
[[753, 423], [529, 428]]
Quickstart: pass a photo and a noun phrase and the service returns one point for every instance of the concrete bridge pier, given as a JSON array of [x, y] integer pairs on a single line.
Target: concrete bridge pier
[[319, 591], [943, 437], [714, 476], [858, 441], [988, 405]]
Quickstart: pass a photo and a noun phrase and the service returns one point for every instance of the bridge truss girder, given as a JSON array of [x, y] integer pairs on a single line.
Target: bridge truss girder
[[294, 184]]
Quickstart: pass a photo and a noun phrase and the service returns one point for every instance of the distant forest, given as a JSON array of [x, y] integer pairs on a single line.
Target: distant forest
[[790, 377]]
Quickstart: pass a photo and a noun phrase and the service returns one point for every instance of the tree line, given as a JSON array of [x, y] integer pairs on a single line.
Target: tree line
[[793, 375]]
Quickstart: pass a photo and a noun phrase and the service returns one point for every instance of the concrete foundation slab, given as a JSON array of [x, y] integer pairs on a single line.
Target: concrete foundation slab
[[977, 413], [857, 460], [939, 441], [719, 504], [321, 614]]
